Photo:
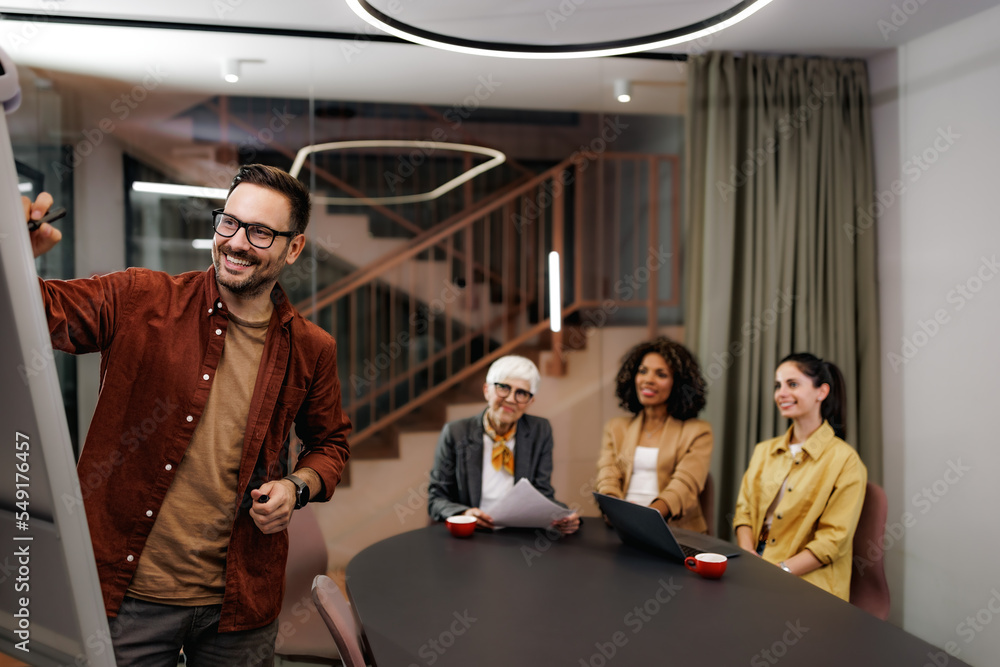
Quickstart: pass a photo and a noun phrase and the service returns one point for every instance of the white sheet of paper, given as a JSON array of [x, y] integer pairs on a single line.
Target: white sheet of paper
[[524, 506]]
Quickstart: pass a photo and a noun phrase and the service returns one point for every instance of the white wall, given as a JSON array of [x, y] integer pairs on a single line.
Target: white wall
[[937, 141]]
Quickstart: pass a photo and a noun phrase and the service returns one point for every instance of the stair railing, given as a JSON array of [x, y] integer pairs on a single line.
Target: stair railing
[[423, 318]]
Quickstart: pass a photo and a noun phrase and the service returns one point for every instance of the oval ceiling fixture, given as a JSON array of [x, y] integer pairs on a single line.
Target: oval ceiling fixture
[[496, 159], [708, 26]]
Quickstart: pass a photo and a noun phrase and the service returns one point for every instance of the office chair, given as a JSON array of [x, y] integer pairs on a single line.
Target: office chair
[[869, 589], [302, 634], [707, 501], [340, 620]]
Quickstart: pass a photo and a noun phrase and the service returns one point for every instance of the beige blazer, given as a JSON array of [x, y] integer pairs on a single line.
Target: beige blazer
[[682, 465]]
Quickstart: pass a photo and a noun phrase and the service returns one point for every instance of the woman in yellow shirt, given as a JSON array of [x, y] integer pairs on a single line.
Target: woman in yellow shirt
[[659, 455], [802, 493]]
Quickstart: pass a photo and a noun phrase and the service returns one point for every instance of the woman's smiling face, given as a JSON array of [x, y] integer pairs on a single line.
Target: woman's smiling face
[[653, 380], [795, 394]]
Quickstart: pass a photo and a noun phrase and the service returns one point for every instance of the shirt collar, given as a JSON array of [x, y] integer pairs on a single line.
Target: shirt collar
[[214, 303], [524, 428], [282, 306], [815, 444]]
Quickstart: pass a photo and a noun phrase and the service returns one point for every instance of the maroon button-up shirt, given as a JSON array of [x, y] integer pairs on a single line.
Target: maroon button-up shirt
[[160, 339]]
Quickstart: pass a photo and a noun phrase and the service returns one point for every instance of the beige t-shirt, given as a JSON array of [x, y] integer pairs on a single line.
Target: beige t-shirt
[[184, 560]]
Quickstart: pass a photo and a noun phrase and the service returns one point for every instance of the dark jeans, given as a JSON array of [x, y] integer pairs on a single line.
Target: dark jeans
[[147, 634]]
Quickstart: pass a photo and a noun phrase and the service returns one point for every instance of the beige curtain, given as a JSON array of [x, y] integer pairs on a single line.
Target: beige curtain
[[780, 256]]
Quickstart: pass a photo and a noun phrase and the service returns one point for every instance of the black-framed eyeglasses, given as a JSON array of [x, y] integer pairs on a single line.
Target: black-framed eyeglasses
[[260, 236], [520, 395]]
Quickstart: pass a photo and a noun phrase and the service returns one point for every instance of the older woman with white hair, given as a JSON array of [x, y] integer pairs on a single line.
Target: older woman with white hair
[[479, 459]]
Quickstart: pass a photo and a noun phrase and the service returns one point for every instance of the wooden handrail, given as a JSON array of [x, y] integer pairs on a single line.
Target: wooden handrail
[[468, 138], [425, 240], [336, 290], [468, 371]]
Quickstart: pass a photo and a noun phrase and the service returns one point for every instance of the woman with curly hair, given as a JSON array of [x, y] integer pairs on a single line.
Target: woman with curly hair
[[660, 455]]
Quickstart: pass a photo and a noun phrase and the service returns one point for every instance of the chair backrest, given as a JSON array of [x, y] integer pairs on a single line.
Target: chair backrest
[[301, 631], [869, 589], [339, 618], [707, 501]]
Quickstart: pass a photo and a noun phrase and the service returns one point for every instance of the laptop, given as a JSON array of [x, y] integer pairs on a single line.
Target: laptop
[[644, 527]]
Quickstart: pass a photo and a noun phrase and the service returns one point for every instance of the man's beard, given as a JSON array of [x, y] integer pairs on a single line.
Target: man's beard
[[254, 284]]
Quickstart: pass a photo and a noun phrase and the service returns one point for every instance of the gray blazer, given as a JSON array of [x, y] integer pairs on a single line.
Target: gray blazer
[[457, 477]]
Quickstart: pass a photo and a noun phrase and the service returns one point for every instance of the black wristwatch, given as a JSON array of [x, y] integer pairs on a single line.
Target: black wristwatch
[[301, 491]]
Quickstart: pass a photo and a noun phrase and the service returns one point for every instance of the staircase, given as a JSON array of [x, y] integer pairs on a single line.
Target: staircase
[[433, 312]]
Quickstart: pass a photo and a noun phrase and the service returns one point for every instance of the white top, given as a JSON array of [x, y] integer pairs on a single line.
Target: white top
[[644, 485], [496, 483]]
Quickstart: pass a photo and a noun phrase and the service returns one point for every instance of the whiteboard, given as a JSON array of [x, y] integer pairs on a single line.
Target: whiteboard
[[51, 610]]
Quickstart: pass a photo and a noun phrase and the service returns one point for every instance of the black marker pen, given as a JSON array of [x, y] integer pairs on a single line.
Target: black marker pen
[[50, 217]]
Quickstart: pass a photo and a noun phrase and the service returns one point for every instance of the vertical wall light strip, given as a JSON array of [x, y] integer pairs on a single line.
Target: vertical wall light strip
[[555, 293]]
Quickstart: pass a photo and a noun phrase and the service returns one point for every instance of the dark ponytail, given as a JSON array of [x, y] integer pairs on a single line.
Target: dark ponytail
[[834, 407]]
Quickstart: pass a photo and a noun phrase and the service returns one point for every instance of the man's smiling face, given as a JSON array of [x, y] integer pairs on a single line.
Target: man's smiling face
[[242, 268]]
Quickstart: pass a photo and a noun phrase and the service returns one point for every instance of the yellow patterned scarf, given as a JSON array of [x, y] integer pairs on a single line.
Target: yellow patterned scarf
[[502, 456]]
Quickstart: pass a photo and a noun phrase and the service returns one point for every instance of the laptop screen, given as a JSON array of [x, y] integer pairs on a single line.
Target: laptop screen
[[643, 527]]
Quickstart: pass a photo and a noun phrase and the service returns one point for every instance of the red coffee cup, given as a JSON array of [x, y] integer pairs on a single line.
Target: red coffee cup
[[710, 566], [461, 525]]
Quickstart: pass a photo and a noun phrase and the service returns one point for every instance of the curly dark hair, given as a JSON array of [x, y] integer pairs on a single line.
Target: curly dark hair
[[687, 398]]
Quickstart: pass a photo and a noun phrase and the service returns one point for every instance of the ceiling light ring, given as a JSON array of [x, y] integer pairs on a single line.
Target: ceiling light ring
[[496, 159], [692, 31]]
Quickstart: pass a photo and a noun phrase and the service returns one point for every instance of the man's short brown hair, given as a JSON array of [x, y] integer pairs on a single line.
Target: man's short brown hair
[[281, 181]]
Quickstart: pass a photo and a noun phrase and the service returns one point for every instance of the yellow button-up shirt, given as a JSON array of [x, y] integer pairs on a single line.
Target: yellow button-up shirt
[[820, 508]]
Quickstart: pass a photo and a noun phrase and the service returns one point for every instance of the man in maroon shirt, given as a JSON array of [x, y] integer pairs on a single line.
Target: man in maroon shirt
[[184, 474]]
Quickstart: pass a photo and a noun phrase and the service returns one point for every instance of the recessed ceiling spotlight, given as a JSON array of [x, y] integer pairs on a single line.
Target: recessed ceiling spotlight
[[231, 70], [623, 90]]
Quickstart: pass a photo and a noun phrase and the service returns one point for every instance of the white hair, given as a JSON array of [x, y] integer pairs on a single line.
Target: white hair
[[513, 367]]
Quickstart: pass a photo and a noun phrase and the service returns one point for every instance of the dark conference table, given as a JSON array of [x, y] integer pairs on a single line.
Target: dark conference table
[[519, 597]]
